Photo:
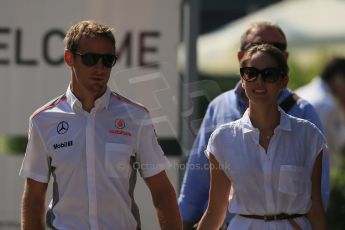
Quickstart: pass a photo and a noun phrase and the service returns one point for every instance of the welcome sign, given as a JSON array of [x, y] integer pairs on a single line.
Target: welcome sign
[[32, 70]]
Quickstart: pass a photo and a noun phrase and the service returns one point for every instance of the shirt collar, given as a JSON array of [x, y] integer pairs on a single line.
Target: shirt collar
[[100, 103], [284, 94], [103, 101], [238, 89], [247, 124], [241, 102], [285, 123]]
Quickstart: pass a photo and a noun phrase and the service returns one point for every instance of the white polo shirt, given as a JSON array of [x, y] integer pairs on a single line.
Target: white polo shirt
[[92, 158], [272, 182]]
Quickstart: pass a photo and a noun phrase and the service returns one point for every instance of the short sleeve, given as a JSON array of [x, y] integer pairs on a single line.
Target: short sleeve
[[150, 155], [214, 146], [317, 144], [35, 163], [320, 143]]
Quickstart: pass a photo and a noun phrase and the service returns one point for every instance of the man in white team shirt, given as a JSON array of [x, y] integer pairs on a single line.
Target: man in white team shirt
[[91, 141], [327, 94]]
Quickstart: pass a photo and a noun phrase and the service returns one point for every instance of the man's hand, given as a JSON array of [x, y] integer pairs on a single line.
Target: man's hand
[[165, 201]]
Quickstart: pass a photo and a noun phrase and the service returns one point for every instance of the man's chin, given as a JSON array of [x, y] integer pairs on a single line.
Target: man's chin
[[97, 88]]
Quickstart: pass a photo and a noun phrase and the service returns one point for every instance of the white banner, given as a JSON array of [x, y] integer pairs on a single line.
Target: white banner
[[32, 70]]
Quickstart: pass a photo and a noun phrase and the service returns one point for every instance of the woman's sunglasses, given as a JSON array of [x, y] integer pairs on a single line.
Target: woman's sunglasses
[[91, 59], [270, 75]]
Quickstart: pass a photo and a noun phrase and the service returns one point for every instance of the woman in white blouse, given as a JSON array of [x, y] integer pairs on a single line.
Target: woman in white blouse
[[271, 160]]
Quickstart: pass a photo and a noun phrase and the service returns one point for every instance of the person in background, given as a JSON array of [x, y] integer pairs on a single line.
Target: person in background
[[230, 106], [327, 94], [88, 141], [272, 160]]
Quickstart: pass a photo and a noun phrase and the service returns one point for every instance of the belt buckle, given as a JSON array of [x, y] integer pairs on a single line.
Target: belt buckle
[[270, 218]]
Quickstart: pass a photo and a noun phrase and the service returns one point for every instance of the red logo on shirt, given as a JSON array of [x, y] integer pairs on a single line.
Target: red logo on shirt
[[120, 123], [121, 132]]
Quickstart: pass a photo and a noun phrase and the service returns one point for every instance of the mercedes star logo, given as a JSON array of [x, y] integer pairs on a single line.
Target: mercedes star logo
[[62, 127]]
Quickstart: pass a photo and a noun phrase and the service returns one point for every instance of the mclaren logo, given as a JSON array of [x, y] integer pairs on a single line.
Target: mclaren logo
[[63, 144], [62, 127], [120, 123]]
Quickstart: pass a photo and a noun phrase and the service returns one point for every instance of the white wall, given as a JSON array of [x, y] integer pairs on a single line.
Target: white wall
[[31, 34]]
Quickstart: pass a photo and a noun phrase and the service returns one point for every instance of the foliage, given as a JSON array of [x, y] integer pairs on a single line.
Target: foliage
[[303, 70], [300, 75], [15, 144], [336, 209]]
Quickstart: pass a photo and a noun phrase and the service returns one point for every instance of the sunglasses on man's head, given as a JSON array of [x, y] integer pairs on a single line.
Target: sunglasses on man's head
[[279, 45], [91, 59], [269, 75]]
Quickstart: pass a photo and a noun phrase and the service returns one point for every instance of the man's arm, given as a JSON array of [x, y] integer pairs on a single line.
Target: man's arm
[[195, 189], [33, 205], [165, 202], [196, 181]]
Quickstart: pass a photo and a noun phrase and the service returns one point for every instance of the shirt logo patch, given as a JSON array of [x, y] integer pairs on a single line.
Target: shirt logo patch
[[119, 126], [63, 144], [120, 123], [121, 132], [62, 127]]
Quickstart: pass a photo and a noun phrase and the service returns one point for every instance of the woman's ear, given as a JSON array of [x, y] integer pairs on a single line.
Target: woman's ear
[[285, 81], [69, 58]]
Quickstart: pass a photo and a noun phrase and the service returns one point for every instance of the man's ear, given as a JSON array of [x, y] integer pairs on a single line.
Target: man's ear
[[69, 58], [240, 55], [242, 83]]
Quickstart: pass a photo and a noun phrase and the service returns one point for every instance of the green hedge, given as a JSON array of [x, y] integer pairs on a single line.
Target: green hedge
[[336, 210], [15, 144]]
